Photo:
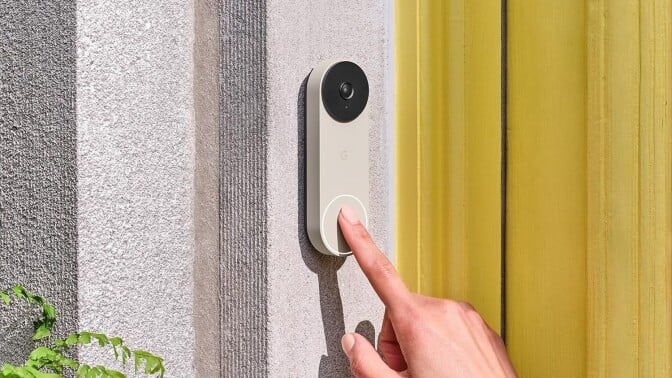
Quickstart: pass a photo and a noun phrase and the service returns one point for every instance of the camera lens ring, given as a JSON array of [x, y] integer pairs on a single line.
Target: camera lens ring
[[344, 108], [346, 90]]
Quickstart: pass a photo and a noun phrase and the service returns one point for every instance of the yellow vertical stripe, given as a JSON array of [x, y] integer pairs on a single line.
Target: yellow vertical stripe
[[655, 186], [629, 192], [406, 135], [448, 150], [482, 162], [546, 188]]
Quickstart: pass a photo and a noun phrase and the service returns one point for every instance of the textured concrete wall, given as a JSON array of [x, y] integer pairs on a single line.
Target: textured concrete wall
[[186, 193], [206, 270], [286, 306], [243, 188], [135, 131], [38, 232], [314, 299]]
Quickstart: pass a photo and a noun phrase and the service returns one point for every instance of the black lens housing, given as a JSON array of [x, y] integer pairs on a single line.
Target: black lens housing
[[345, 91]]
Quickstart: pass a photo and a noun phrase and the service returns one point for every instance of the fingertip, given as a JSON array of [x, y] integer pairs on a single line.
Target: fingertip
[[347, 343], [365, 362], [349, 215]]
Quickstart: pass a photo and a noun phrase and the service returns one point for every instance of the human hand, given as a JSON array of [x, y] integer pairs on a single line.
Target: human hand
[[421, 336]]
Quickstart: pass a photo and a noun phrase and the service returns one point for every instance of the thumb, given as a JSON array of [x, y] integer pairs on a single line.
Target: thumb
[[365, 362]]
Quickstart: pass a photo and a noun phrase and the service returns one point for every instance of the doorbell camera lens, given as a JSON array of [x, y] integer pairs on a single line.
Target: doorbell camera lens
[[345, 91]]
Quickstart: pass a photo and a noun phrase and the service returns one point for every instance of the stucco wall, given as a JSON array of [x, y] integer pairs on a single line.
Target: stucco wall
[[176, 220], [314, 299], [38, 227], [285, 306], [135, 148]]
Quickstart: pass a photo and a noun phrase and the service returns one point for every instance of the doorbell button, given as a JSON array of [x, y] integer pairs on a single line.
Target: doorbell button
[[331, 232]]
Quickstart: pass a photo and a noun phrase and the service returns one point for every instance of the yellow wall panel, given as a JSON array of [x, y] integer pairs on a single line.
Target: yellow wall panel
[[448, 150], [629, 192], [546, 188], [588, 219], [589, 187]]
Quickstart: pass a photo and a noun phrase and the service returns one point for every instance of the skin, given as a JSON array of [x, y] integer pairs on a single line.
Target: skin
[[421, 336]]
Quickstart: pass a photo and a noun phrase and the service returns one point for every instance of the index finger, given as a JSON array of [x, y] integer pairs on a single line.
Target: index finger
[[378, 269]]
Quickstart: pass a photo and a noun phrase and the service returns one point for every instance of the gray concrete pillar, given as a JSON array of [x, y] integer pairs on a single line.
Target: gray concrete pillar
[[38, 173]]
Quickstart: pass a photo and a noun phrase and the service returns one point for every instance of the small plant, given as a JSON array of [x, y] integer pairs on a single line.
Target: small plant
[[51, 361]]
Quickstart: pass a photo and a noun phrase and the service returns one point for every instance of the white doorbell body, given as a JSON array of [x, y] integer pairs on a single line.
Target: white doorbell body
[[337, 151]]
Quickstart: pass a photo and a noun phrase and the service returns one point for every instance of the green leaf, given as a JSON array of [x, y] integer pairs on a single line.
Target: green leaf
[[19, 291], [115, 374], [42, 352], [152, 365], [7, 369], [5, 298], [137, 363], [35, 299], [49, 311], [38, 374], [41, 332], [72, 339], [83, 370], [84, 338], [15, 372], [94, 372], [125, 354], [70, 363], [116, 341], [102, 339]]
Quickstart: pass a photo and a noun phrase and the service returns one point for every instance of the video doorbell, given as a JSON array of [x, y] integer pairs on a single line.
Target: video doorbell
[[337, 151]]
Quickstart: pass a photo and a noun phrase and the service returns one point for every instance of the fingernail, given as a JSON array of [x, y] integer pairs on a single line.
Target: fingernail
[[349, 215], [347, 342]]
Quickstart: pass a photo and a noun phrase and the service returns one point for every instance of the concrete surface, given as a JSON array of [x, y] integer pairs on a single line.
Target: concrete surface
[[38, 226], [285, 305], [177, 219], [135, 133], [243, 189], [314, 299], [207, 283]]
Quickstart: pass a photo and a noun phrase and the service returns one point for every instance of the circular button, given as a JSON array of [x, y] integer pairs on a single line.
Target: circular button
[[331, 232]]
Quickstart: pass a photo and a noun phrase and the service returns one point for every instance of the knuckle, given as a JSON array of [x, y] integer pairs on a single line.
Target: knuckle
[[466, 306], [451, 307], [408, 318], [477, 318]]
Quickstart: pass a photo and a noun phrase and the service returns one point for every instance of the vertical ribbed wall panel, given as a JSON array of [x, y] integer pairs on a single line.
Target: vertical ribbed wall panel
[[243, 189]]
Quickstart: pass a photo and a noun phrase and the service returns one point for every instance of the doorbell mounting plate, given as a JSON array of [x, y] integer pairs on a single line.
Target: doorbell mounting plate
[[337, 151]]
